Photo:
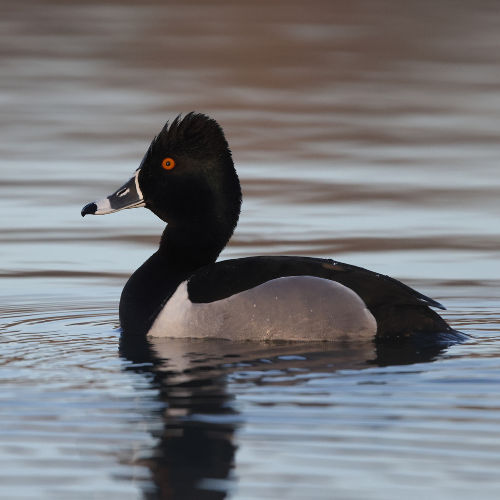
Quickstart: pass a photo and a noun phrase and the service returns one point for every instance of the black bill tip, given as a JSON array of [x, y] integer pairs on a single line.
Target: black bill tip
[[90, 208]]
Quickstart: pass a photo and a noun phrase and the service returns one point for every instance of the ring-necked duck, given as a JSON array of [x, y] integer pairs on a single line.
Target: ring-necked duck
[[188, 179]]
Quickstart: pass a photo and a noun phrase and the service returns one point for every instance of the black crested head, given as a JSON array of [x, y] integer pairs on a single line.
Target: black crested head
[[194, 134], [188, 179]]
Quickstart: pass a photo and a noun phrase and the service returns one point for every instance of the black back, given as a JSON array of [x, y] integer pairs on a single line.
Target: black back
[[399, 310]]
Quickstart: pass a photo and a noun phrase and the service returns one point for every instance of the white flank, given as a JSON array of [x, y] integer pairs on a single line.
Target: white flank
[[290, 308]]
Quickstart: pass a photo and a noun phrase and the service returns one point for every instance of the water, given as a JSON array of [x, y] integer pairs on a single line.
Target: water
[[365, 131]]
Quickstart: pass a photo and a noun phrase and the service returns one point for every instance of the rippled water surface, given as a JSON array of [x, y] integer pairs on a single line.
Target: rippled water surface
[[364, 131]]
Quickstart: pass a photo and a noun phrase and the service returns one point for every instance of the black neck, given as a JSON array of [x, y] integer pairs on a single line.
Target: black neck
[[189, 246], [183, 249]]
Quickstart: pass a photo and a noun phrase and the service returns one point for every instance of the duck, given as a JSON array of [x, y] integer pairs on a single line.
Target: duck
[[188, 179]]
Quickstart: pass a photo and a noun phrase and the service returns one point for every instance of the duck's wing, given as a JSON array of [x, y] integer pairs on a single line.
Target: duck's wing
[[400, 311]]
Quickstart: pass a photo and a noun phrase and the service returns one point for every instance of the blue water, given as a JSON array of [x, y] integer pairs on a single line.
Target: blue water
[[367, 132]]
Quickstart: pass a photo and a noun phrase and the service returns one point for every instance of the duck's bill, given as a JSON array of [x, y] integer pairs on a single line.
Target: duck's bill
[[128, 196]]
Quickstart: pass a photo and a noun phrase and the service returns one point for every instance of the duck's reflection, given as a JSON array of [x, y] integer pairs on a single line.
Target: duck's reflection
[[194, 457]]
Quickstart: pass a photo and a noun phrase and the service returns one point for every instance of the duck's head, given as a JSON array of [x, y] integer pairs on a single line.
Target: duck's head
[[187, 178]]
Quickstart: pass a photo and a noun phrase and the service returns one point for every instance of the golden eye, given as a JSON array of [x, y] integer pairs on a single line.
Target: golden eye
[[168, 163]]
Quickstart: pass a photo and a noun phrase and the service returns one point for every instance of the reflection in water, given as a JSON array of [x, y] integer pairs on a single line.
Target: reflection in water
[[196, 442], [195, 454]]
